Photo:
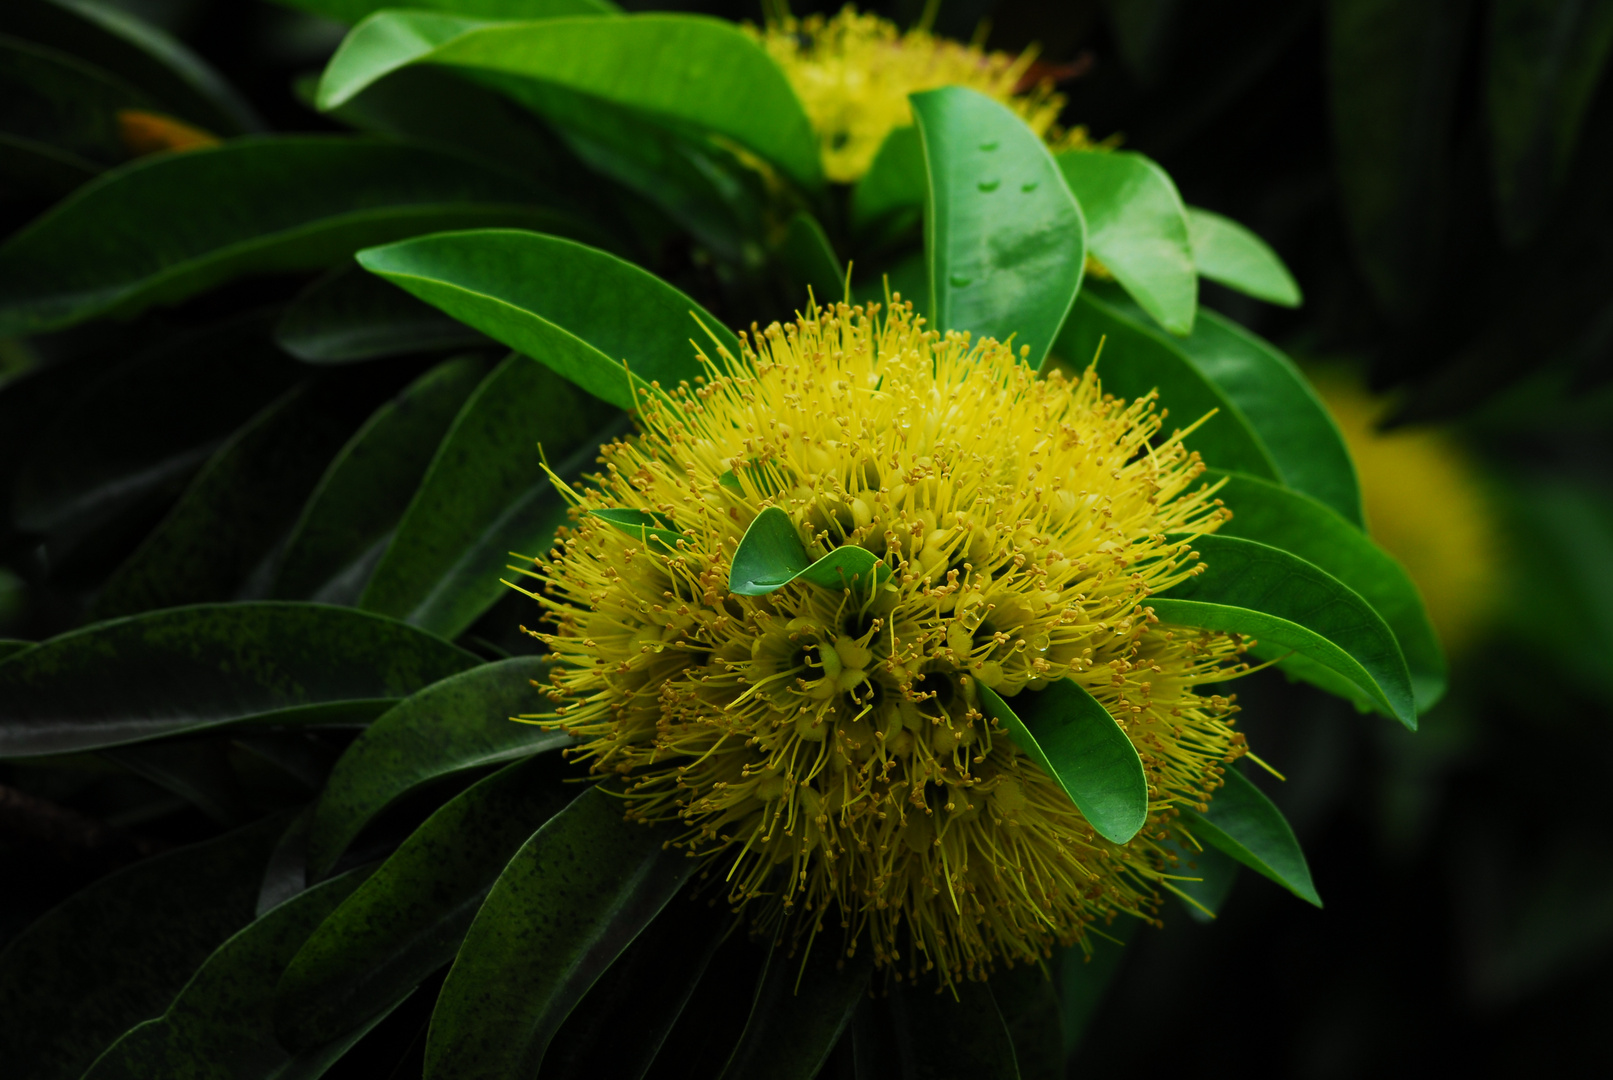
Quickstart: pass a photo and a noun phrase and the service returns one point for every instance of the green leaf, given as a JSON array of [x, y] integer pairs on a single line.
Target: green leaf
[[1029, 1003], [1302, 526], [1205, 878], [197, 770], [167, 227], [462, 722], [1289, 605], [1246, 825], [1084, 979], [408, 919], [585, 314], [643, 526], [810, 262], [1227, 252], [39, 169], [1137, 227], [484, 496], [58, 101], [122, 948], [351, 11], [349, 315], [10, 648], [681, 69], [368, 485], [1070, 735], [188, 669], [891, 192], [570, 901], [771, 556], [221, 1022], [940, 1036], [801, 1009], [1006, 240]]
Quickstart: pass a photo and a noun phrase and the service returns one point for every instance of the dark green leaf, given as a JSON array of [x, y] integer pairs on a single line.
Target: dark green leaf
[[186, 669], [197, 770], [586, 314], [368, 486], [685, 69], [1246, 825], [1137, 227], [1084, 978], [484, 496], [164, 228], [39, 169], [9, 648], [120, 950], [643, 526], [408, 919], [56, 100], [1029, 1004], [802, 1007], [1006, 241], [462, 722], [892, 190], [1227, 252], [570, 901], [348, 315], [941, 1037], [1304, 527], [1205, 878], [713, 1019], [1289, 605], [351, 11], [771, 555], [1070, 735], [810, 261], [286, 873]]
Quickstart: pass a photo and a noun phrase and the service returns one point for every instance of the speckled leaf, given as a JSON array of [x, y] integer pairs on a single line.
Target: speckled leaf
[[462, 722], [802, 1007], [408, 919], [771, 556], [186, 669], [1246, 825], [570, 901], [940, 1037], [1226, 252]]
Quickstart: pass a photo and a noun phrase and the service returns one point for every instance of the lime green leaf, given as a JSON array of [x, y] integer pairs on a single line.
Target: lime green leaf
[[1137, 227], [801, 1009], [462, 722], [1304, 527], [939, 1035], [1289, 605], [351, 11], [485, 495], [1029, 1003], [121, 949], [1005, 239], [892, 191], [1246, 825], [1072, 737], [643, 526], [167, 227], [810, 261], [368, 485], [570, 901], [1227, 252], [587, 315], [188, 669], [682, 69], [1084, 978], [408, 919], [349, 315], [221, 1022], [771, 556]]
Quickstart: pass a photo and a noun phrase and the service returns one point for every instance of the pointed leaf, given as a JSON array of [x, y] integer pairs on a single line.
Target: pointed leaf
[[1227, 252], [642, 526], [1246, 825], [186, 669], [771, 556], [348, 315], [570, 901], [940, 1037], [1005, 239], [1072, 737], [810, 261], [802, 1007]]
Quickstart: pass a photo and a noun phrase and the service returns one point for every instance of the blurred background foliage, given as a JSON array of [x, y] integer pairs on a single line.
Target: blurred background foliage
[[1439, 177]]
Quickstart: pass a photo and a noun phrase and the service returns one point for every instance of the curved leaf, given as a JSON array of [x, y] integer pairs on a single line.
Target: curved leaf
[[642, 526], [1029, 1002], [10, 648], [349, 315], [462, 722], [186, 669], [802, 1008], [588, 315], [570, 901], [164, 228], [892, 190], [1246, 825], [1203, 880], [408, 919], [1072, 737], [685, 69], [1005, 239], [58, 101], [39, 169], [771, 556], [1289, 605], [351, 11], [810, 262], [941, 1037], [1227, 252]]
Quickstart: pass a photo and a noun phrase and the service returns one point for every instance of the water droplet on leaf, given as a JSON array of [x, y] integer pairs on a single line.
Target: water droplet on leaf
[[989, 145], [989, 185], [1028, 187], [960, 280]]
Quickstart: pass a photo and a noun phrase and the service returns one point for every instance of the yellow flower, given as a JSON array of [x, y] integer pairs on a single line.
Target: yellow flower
[[853, 74], [825, 749]]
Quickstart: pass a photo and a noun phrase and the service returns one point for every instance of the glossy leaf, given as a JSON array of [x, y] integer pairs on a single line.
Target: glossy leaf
[[1302, 526], [1226, 252], [122, 948], [164, 228], [570, 901], [462, 722], [681, 69], [1070, 735], [892, 190], [192, 668], [1246, 825], [1137, 227], [408, 919], [1290, 605], [643, 526], [810, 262], [941, 1037], [1005, 239], [484, 496], [351, 11], [802, 1008], [349, 315], [368, 485], [771, 556]]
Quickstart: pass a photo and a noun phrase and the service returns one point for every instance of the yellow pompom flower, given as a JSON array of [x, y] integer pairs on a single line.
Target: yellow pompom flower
[[853, 74], [825, 749]]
